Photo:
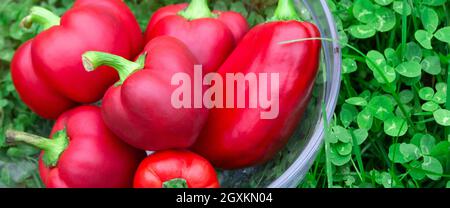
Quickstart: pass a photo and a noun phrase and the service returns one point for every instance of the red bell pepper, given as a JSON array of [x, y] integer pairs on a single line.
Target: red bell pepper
[[175, 169], [139, 108], [238, 137], [82, 153], [211, 36], [120, 10], [50, 64]]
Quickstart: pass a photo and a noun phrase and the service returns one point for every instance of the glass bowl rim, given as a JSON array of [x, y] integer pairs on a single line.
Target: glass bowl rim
[[294, 173]]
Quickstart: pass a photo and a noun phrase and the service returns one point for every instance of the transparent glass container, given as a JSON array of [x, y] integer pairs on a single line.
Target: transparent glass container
[[290, 166]]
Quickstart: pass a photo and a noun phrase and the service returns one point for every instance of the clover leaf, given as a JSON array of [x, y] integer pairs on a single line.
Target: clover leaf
[[377, 63], [365, 119], [392, 56], [348, 114], [413, 52], [377, 58], [443, 34], [426, 93], [441, 87], [416, 172], [349, 66], [343, 149], [427, 143], [398, 7], [430, 106], [362, 31], [381, 107], [403, 153], [395, 126], [360, 135], [406, 96], [363, 10], [424, 38], [433, 165], [441, 149], [440, 97], [384, 2], [339, 133], [338, 159], [442, 117], [430, 19], [410, 69], [432, 65], [357, 101], [383, 19]]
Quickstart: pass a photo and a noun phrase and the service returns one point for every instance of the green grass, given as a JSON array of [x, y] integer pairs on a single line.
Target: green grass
[[392, 121]]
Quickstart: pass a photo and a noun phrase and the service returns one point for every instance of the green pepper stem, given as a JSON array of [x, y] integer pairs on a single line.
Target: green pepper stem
[[53, 148], [175, 183], [285, 11], [92, 60], [41, 16], [197, 9]]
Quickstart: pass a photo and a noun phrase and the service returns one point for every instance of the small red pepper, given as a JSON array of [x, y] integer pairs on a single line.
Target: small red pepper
[[139, 108], [175, 169], [211, 36], [50, 64], [82, 153], [238, 137]]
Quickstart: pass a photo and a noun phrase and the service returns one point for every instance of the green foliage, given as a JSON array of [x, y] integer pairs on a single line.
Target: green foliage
[[399, 91], [17, 164], [391, 124]]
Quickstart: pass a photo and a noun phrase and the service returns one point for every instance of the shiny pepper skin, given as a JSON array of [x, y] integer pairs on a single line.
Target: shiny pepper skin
[[47, 71], [237, 137], [211, 36], [83, 153], [139, 109], [95, 156], [162, 168]]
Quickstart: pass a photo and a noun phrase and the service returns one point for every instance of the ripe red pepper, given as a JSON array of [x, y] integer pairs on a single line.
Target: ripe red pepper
[[139, 109], [120, 10], [175, 169], [238, 138], [50, 64], [211, 36], [82, 153]]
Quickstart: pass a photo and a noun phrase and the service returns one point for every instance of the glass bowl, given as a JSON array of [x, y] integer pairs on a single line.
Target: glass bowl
[[290, 166]]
